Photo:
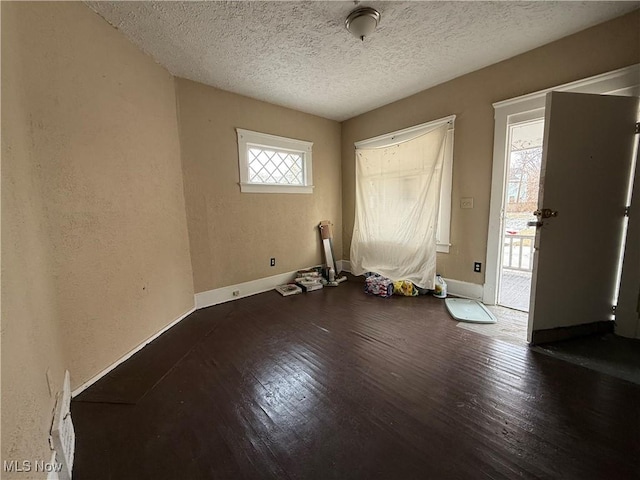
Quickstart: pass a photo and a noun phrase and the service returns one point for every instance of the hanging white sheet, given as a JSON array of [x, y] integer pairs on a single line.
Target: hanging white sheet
[[397, 201]]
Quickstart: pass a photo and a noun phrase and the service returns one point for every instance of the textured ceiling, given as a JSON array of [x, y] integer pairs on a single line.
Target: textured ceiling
[[299, 55]]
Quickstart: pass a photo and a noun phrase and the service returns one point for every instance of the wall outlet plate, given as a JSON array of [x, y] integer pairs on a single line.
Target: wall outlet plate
[[273, 261], [466, 202], [477, 267]]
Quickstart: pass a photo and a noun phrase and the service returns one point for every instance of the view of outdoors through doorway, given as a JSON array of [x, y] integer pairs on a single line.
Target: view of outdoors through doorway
[[521, 199]]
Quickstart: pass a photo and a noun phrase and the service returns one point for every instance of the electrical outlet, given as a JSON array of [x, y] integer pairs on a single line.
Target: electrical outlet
[[466, 202], [477, 267], [273, 261]]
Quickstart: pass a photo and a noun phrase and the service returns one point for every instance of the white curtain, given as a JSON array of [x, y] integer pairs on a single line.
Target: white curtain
[[397, 201]]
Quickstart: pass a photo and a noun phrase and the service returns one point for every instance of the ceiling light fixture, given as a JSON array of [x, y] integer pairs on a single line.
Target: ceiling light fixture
[[362, 22]]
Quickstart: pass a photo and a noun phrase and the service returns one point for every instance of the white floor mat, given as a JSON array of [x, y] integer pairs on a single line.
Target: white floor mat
[[472, 311]]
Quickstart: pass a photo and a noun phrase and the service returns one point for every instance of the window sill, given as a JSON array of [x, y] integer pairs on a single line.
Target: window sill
[[442, 247], [265, 188]]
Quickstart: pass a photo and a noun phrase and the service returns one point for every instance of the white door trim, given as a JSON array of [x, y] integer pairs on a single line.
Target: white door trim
[[627, 316], [624, 81]]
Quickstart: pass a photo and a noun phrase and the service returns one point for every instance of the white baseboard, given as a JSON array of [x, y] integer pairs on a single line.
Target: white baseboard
[[97, 377], [246, 289], [344, 266], [242, 290], [464, 289]]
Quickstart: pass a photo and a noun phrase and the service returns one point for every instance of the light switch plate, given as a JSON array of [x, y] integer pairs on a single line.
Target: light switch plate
[[466, 202]]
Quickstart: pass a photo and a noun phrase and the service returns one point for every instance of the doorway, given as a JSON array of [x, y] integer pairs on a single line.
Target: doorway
[[514, 112], [523, 161]]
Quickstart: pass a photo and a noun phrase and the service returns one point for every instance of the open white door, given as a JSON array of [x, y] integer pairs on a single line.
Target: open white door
[[586, 164]]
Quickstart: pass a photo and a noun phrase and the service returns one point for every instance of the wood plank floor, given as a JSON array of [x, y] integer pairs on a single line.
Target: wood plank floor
[[336, 384]]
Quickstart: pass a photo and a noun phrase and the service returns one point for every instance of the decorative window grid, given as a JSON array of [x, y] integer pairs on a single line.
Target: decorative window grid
[[272, 164]]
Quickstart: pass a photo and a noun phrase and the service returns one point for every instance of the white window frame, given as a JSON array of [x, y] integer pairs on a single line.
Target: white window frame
[[443, 231], [248, 139]]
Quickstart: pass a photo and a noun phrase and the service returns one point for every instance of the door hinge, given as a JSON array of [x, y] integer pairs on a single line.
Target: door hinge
[[638, 127], [626, 211]]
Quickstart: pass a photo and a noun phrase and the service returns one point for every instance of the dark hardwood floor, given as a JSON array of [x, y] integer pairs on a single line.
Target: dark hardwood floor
[[336, 384]]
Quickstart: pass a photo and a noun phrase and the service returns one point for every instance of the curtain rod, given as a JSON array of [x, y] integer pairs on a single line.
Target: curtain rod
[[403, 135]]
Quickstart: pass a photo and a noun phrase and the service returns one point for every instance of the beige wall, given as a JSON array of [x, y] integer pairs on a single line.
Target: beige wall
[[603, 48], [95, 255], [233, 235]]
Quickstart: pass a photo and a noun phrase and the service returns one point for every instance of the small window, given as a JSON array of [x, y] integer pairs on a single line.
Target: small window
[[272, 164]]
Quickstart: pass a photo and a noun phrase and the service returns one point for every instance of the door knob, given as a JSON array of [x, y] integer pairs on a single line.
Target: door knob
[[545, 213]]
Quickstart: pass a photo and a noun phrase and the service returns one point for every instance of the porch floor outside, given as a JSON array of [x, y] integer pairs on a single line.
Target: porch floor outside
[[515, 289]]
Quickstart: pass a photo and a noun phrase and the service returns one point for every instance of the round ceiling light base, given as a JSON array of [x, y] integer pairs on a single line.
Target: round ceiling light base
[[362, 22]]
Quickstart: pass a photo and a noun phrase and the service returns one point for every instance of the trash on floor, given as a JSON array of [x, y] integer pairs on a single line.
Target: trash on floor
[[288, 289], [406, 288], [309, 280], [440, 288], [378, 285]]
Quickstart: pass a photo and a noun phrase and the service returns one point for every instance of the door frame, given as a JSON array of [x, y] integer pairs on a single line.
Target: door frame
[[627, 318], [624, 81]]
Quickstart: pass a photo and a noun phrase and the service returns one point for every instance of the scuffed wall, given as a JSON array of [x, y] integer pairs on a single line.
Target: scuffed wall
[[603, 48], [232, 234], [95, 254], [31, 339]]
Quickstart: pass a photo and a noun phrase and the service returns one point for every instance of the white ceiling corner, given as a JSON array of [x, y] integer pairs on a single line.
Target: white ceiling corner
[[299, 55]]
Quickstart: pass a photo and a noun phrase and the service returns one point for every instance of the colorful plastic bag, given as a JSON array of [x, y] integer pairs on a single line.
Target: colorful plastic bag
[[405, 287], [379, 286]]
